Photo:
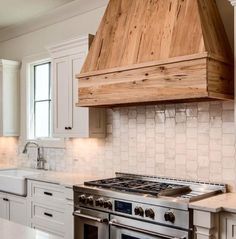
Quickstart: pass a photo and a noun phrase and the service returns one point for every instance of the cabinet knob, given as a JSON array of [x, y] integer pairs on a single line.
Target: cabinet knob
[[68, 128]]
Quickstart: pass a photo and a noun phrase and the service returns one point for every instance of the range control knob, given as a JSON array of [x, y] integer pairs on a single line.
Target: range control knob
[[108, 204], [149, 213], [99, 202], [82, 198], [139, 211], [169, 217], [90, 200]]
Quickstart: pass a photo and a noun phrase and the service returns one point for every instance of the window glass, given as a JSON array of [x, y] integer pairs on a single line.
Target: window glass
[[128, 237], [42, 100], [90, 232], [42, 119], [42, 82]]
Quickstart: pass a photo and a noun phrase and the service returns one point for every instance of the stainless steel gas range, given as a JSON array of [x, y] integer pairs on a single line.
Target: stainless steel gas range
[[138, 207]]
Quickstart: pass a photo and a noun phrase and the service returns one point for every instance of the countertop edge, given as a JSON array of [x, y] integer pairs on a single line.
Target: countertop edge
[[205, 209], [225, 202]]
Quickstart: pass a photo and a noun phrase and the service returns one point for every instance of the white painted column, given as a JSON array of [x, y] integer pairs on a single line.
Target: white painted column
[[206, 225]]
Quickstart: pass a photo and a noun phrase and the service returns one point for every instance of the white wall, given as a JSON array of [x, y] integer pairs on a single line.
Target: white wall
[[35, 42]]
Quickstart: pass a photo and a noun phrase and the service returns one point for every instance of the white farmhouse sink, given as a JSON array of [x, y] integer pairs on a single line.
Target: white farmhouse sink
[[14, 180]]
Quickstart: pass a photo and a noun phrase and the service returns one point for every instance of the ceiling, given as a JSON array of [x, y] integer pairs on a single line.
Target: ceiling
[[13, 12]]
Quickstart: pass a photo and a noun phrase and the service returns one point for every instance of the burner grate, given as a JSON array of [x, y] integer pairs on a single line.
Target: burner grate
[[107, 182], [139, 186]]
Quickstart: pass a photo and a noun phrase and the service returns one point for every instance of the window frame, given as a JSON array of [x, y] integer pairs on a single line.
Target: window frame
[[49, 99], [26, 102]]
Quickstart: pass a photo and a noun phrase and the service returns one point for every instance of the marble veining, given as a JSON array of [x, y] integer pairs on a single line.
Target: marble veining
[[192, 141]]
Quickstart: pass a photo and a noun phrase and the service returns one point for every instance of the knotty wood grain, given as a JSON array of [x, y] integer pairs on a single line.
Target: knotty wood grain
[[185, 79], [143, 52]]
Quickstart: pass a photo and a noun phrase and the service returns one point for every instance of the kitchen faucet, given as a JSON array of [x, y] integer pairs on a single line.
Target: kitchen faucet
[[40, 159]]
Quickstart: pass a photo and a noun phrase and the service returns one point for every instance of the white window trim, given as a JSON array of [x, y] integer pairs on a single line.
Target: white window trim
[[27, 63]]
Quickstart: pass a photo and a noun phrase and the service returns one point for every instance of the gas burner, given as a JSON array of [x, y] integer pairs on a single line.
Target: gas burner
[[140, 186], [156, 186], [106, 182]]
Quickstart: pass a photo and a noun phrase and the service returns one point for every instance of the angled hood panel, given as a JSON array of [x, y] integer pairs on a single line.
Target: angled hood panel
[[138, 38]]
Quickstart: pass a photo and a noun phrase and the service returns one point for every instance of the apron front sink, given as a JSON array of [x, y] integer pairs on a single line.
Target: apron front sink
[[15, 181]]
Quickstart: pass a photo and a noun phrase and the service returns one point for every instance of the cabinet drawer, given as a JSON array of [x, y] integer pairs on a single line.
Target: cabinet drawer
[[48, 194], [47, 230], [228, 226], [49, 217], [69, 194]]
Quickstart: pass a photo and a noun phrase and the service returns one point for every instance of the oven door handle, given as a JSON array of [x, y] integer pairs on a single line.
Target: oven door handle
[[150, 233], [96, 219]]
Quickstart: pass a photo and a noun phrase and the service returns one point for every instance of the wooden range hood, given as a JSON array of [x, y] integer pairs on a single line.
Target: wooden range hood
[[149, 51]]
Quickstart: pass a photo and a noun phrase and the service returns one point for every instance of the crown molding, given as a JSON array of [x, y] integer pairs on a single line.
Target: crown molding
[[233, 2], [59, 14], [69, 47]]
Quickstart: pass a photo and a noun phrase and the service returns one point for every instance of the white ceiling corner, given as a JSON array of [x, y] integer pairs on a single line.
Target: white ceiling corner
[[69, 9]]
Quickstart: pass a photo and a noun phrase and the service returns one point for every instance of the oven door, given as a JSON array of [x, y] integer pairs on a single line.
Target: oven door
[[125, 228], [91, 224]]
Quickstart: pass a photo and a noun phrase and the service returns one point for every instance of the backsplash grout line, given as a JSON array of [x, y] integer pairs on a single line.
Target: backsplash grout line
[[192, 141]]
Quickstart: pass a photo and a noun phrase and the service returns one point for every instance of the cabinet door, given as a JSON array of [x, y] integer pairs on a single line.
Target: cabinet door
[[79, 116], [4, 206], [61, 101], [69, 221], [228, 226], [10, 99], [17, 210]]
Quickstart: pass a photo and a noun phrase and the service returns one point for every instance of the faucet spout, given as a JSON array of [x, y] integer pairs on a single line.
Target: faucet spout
[[40, 159], [25, 150]]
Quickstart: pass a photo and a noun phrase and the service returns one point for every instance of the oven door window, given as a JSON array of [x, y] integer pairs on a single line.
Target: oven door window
[[90, 232], [87, 224], [128, 237]]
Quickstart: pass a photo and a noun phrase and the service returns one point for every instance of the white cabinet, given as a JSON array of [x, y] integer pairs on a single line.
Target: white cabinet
[[46, 229], [69, 219], [13, 208], [69, 120], [4, 206], [228, 226], [69, 223], [9, 98], [17, 209], [50, 209]]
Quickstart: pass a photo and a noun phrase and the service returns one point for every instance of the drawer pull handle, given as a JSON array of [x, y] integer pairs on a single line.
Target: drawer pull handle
[[48, 194], [5, 199], [48, 214]]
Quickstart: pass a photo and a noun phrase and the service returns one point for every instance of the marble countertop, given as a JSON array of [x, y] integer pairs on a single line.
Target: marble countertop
[[66, 179], [224, 202], [11, 230]]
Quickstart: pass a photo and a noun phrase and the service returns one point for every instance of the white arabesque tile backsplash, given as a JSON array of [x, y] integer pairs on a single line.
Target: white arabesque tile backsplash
[[192, 141]]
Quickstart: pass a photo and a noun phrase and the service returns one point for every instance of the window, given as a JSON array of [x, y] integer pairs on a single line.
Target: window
[[41, 101], [36, 117]]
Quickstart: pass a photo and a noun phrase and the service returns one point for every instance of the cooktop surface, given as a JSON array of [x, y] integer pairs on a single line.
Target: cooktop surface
[[139, 186]]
